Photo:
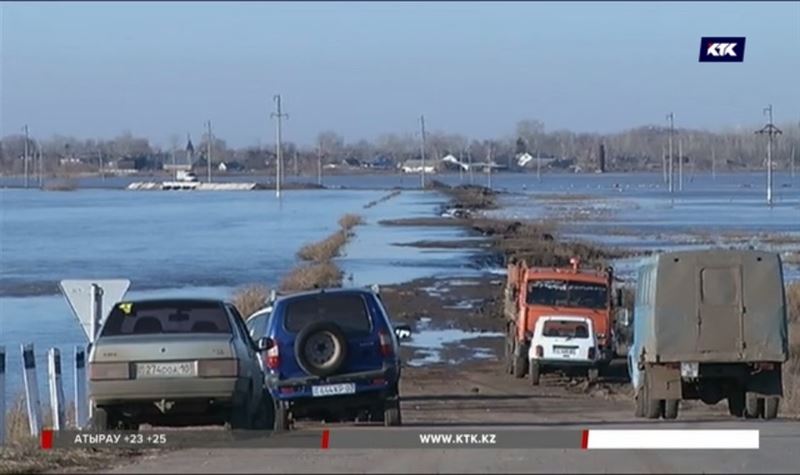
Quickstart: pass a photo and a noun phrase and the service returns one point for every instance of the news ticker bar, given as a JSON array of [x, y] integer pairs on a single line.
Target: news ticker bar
[[369, 438]]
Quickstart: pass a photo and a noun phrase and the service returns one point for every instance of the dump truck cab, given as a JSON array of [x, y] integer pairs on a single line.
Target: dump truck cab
[[536, 292]]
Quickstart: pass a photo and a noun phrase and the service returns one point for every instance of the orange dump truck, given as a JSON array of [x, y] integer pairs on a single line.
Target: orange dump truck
[[536, 292]]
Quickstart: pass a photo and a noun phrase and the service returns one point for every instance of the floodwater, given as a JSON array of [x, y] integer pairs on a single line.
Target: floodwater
[[187, 245], [430, 343]]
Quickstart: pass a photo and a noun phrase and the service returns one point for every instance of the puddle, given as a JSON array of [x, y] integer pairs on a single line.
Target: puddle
[[429, 344], [468, 304]]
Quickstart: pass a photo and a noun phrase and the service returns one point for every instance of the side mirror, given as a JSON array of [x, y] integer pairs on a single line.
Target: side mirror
[[263, 344], [625, 317], [403, 332]]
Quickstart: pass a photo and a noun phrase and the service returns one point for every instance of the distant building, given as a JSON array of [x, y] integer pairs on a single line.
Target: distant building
[[450, 161]]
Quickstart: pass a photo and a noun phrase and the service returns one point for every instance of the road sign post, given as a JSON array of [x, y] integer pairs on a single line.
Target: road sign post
[[56, 388], [91, 302], [34, 405]]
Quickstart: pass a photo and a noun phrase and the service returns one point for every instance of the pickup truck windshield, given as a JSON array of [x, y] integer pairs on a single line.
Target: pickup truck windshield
[[564, 293], [166, 317]]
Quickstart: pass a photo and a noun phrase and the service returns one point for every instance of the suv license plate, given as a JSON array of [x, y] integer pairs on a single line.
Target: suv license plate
[[333, 389]]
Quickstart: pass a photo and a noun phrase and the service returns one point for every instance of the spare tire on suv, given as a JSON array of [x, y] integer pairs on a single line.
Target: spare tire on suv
[[321, 348]]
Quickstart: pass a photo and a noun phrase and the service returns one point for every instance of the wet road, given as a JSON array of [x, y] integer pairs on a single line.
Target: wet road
[[479, 398]]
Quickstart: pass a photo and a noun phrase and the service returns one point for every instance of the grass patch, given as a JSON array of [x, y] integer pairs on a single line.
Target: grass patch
[[332, 245], [312, 276], [250, 299], [382, 199], [323, 250]]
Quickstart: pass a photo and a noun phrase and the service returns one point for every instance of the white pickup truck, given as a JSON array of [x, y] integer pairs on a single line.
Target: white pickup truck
[[563, 341]]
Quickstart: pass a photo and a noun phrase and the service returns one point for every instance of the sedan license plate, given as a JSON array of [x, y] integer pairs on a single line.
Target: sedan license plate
[[184, 369], [333, 389]]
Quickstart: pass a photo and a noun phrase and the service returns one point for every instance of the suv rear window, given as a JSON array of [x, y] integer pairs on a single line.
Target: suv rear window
[[131, 318], [564, 328], [347, 311]]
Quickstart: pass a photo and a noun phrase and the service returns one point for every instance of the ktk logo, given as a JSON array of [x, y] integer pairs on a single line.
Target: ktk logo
[[722, 50]]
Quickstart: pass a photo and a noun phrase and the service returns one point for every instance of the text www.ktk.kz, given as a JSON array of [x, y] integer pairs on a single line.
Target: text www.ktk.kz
[[458, 439]]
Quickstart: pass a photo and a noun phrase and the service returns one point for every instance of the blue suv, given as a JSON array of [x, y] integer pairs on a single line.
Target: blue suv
[[332, 355]]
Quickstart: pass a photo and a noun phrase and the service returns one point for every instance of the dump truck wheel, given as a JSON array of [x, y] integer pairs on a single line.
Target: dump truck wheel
[[520, 363], [535, 371], [671, 408], [754, 406], [509, 356], [771, 407]]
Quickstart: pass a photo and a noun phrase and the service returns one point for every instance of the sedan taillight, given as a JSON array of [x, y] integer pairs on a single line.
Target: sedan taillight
[[218, 368], [105, 371], [539, 351]]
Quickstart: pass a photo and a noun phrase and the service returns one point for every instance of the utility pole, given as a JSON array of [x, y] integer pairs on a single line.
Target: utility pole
[[664, 163], [41, 164], [538, 165], [793, 158], [296, 172], [25, 158], [278, 153], [680, 164], [489, 166], [208, 150], [469, 164], [422, 149], [100, 159], [713, 163], [319, 164], [771, 132], [461, 167], [671, 118]]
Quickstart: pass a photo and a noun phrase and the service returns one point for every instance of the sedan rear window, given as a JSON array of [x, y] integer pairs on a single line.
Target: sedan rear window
[[566, 329], [166, 317], [347, 311]]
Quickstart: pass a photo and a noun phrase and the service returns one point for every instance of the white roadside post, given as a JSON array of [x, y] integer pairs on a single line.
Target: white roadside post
[[90, 302], [81, 408], [2, 395], [56, 388], [31, 389]]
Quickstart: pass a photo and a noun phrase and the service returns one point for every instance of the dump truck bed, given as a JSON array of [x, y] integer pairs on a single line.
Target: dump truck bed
[[711, 306]]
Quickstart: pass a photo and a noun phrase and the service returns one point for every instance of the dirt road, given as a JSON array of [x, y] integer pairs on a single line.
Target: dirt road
[[479, 397]]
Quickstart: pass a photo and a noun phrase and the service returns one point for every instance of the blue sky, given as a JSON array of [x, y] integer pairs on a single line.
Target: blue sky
[[362, 69]]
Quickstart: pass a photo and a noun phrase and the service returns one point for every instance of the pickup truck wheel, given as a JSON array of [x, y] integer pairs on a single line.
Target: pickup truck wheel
[[391, 413], [282, 423], [671, 408], [736, 403], [535, 372], [771, 407], [754, 406]]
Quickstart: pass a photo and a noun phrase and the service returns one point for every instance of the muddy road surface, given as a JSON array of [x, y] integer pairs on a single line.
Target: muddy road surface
[[478, 397]]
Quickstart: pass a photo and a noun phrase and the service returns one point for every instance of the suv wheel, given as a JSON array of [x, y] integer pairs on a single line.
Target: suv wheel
[[391, 413], [281, 423]]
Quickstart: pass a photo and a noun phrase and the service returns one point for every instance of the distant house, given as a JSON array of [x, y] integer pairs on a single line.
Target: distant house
[[378, 163], [416, 166], [222, 167], [352, 162]]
